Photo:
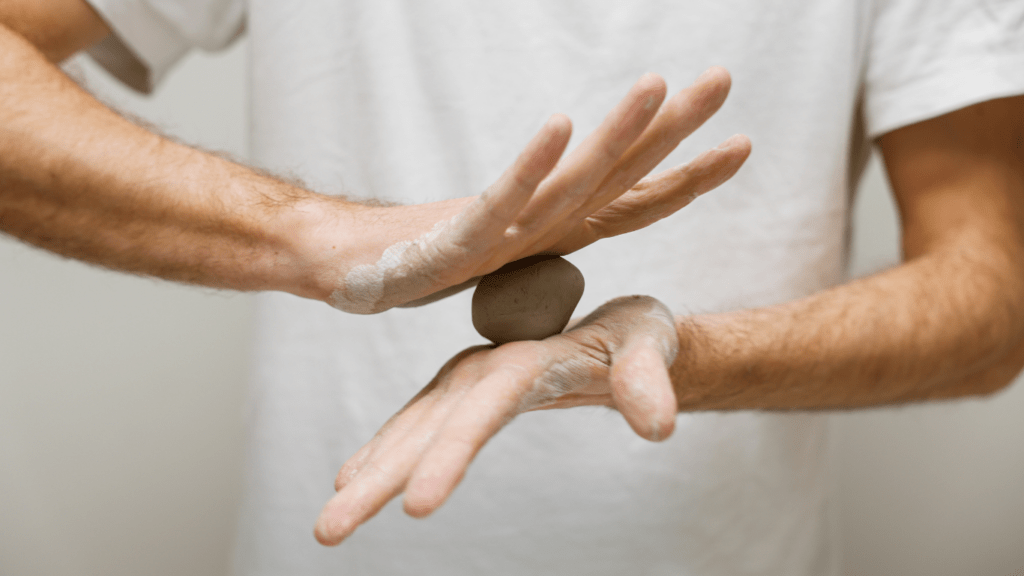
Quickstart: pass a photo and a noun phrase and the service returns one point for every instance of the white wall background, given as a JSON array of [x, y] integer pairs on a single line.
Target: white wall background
[[121, 407]]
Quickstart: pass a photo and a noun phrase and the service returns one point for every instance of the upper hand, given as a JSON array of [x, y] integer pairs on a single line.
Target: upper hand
[[618, 356], [424, 252]]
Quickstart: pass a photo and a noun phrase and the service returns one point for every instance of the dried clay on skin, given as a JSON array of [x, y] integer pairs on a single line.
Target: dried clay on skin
[[573, 375], [405, 271]]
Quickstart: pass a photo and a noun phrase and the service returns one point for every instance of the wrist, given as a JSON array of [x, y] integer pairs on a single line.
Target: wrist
[[320, 237], [711, 363]]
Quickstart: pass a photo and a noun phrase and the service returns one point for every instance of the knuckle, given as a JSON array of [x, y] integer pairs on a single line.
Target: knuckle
[[522, 180], [610, 151]]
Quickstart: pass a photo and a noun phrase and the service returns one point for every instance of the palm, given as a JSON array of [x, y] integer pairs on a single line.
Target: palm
[[548, 204], [617, 356]]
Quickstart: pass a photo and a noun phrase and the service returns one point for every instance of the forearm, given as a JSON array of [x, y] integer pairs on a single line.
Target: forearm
[[949, 323], [79, 180]]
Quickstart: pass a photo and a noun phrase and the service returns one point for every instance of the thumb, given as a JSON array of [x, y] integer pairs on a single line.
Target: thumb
[[641, 388]]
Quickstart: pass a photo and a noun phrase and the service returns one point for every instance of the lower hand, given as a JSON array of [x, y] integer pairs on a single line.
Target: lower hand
[[618, 356], [416, 254]]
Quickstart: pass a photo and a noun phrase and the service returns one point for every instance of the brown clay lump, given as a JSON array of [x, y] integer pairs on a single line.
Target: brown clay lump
[[529, 299]]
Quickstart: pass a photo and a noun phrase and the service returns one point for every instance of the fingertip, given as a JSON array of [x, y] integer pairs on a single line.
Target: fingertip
[[711, 87], [424, 494], [559, 125], [329, 533], [654, 428], [741, 142], [665, 433], [717, 75], [558, 131], [653, 81], [662, 427], [421, 501], [650, 78], [416, 508], [738, 149], [537, 160], [652, 89]]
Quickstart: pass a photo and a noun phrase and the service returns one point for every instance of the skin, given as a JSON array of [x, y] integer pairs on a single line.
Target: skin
[[946, 323], [80, 180]]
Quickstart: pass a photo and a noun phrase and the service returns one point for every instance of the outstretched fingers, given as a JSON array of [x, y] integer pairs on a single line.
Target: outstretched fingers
[[675, 188], [380, 469], [578, 176], [662, 195], [485, 220], [677, 119], [479, 416], [393, 432], [382, 475]]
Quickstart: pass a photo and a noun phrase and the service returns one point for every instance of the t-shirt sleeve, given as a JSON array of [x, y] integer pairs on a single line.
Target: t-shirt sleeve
[[930, 57], [149, 36]]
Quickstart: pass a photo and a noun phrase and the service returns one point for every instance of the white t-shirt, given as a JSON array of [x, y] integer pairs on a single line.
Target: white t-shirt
[[421, 101]]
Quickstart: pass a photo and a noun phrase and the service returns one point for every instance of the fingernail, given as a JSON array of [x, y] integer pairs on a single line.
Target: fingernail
[[704, 74]]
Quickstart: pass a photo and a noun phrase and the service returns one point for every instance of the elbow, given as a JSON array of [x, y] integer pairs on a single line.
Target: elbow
[[989, 348], [1001, 374], [998, 339], [56, 29], [986, 381]]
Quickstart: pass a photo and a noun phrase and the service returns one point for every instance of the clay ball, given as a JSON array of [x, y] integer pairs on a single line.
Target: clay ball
[[529, 299]]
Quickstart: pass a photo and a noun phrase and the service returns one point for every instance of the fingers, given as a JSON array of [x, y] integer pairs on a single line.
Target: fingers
[[578, 176], [677, 119], [640, 334], [396, 428], [384, 474], [480, 415], [671, 190], [398, 425], [486, 219], [380, 470], [663, 194], [643, 391], [360, 500]]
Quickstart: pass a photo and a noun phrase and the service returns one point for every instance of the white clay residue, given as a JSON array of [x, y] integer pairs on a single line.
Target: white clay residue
[[405, 271], [561, 377], [669, 346], [572, 374]]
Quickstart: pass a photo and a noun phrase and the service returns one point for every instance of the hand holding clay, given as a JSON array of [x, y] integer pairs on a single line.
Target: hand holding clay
[[617, 356], [529, 299], [413, 255]]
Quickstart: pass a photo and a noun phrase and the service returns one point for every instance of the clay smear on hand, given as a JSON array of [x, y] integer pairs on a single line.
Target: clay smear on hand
[[630, 321], [407, 270]]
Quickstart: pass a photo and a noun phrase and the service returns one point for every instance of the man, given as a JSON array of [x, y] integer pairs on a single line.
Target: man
[[418, 102]]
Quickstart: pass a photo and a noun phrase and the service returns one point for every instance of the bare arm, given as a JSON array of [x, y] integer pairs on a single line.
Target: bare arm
[[58, 28], [79, 180], [948, 322]]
